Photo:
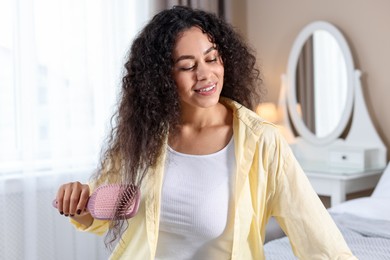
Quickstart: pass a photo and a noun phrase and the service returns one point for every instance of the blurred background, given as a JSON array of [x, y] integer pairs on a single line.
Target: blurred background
[[60, 70]]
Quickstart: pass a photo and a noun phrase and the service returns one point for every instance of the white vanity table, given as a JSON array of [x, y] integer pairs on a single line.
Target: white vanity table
[[338, 183], [325, 115]]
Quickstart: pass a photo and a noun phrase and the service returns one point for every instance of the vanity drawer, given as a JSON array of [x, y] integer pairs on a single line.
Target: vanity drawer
[[358, 158]]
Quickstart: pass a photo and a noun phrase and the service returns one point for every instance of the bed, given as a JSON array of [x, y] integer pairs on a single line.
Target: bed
[[364, 223]]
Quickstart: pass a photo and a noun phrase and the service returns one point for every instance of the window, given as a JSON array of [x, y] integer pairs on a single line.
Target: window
[[60, 68]]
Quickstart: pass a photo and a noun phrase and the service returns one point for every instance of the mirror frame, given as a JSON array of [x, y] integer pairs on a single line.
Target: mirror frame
[[299, 125]]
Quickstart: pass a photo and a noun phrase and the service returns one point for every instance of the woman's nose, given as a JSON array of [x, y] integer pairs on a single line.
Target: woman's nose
[[202, 72]]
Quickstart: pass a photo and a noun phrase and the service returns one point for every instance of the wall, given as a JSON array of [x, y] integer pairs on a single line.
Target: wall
[[271, 28]]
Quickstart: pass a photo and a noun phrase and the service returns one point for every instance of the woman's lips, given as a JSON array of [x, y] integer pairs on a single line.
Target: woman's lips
[[207, 90]]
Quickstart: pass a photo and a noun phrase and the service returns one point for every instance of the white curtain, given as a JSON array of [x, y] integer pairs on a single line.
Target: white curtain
[[60, 70]]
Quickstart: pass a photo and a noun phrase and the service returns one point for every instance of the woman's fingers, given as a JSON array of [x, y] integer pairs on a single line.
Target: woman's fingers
[[83, 199], [72, 198], [66, 200], [60, 199]]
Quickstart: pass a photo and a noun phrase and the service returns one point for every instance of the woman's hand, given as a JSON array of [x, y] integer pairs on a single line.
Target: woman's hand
[[72, 201]]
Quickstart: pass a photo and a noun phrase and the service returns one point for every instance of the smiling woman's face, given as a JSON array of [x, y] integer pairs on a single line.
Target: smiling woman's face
[[198, 69]]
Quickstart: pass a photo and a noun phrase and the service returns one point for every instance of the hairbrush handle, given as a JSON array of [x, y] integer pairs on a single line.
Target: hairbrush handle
[[103, 203]]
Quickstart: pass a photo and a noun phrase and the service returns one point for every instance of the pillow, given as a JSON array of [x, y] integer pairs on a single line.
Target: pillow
[[367, 207], [382, 189]]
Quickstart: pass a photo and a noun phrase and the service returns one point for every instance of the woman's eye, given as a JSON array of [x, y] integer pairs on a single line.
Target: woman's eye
[[187, 68], [212, 60]]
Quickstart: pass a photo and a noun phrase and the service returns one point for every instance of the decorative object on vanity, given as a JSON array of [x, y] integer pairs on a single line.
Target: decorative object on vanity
[[324, 104]]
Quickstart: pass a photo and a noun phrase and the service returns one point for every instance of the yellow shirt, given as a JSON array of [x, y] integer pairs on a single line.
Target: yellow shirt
[[268, 182]]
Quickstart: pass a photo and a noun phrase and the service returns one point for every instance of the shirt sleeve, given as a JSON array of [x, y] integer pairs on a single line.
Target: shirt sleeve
[[300, 213], [98, 227]]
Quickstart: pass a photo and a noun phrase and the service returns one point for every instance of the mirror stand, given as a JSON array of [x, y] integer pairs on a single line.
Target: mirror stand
[[362, 148], [362, 132]]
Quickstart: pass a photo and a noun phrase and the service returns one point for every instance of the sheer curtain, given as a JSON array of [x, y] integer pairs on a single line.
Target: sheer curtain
[[60, 68]]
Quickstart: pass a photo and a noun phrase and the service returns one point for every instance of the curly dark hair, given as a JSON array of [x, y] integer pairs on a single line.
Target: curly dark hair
[[149, 106]]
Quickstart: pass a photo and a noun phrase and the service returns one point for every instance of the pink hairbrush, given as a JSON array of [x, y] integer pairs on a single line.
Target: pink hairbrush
[[103, 202]]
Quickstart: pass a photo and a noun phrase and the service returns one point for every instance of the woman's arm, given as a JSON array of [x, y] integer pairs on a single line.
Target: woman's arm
[[301, 214]]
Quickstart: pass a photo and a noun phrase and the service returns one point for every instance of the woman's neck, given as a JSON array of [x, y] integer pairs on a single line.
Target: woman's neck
[[203, 130], [204, 117]]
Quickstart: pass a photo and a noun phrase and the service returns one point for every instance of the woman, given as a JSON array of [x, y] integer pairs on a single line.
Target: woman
[[211, 172]]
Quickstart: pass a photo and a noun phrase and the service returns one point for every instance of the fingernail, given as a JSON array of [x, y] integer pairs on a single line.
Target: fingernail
[[66, 215], [72, 215], [78, 211], [62, 213]]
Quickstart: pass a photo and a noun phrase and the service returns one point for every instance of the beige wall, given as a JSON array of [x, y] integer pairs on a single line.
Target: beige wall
[[272, 25]]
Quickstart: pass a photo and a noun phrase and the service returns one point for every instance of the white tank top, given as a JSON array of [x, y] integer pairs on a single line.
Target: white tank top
[[196, 219]]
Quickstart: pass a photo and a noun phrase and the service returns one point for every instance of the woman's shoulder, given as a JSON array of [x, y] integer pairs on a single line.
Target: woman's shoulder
[[251, 120]]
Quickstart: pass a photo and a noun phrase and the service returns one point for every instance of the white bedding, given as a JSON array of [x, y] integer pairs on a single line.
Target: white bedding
[[367, 207], [382, 189]]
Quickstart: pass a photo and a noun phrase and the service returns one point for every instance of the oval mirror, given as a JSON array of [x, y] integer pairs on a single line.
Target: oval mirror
[[320, 83]]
